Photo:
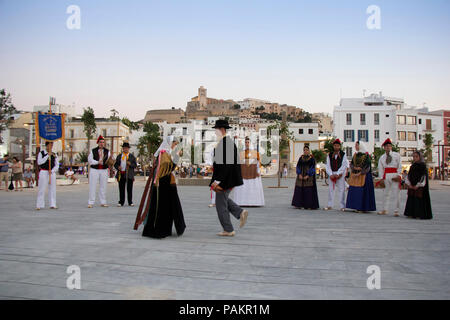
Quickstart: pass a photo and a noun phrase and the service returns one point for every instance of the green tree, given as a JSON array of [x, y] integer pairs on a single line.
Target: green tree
[[148, 143], [7, 109], [114, 115], [82, 157], [90, 126], [132, 125], [329, 145], [320, 156], [237, 107], [428, 141], [379, 151]]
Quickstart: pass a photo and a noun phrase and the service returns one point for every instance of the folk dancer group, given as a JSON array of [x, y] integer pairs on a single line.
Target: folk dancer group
[[361, 191], [241, 173]]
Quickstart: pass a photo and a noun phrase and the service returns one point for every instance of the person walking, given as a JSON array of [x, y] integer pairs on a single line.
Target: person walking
[[226, 176], [98, 174]]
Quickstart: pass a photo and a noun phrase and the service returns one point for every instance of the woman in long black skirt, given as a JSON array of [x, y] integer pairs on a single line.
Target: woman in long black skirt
[[165, 207], [418, 205]]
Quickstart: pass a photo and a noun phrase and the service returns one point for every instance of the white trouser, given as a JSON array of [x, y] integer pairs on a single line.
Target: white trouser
[[96, 176], [43, 184], [391, 187], [213, 197], [340, 187]]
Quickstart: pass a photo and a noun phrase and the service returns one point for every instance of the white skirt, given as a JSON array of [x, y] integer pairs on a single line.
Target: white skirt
[[250, 193]]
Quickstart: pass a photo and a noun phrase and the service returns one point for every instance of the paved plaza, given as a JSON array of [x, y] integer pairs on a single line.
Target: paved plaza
[[282, 252]]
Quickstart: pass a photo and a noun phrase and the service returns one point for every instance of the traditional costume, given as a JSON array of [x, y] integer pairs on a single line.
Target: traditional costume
[[125, 165], [390, 168], [98, 174], [337, 164], [418, 204], [226, 176], [361, 192], [251, 192], [47, 178], [165, 207], [305, 194]]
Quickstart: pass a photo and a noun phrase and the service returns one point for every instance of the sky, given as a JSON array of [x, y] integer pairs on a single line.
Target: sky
[[134, 56]]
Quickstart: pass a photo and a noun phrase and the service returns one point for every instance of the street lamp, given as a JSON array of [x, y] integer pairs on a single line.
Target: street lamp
[[70, 146], [22, 143]]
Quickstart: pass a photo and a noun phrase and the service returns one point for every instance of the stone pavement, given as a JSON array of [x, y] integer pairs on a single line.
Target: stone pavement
[[282, 253]]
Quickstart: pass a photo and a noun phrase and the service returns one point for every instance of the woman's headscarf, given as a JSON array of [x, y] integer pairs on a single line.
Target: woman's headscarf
[[165, 145], [362, 147], [417, 170]]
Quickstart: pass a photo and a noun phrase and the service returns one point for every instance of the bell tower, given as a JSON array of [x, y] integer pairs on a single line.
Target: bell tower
[[203, 101]]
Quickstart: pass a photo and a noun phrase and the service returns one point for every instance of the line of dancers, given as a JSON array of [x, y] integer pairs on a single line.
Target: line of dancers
[[242, 172], [361, 193]]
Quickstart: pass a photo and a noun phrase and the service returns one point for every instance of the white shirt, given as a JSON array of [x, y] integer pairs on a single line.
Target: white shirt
[[43, 159], [341, 170], [395, 163], [94, 162]]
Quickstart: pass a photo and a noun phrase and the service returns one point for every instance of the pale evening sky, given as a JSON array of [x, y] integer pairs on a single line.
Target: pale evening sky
[[136, 55]]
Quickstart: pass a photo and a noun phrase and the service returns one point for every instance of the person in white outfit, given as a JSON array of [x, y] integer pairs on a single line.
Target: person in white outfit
[[98, 173], [390, 169], [47, 176], [337, 164], [251, 193]]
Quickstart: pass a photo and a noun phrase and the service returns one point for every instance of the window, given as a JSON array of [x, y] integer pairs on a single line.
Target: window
[[412, 136], [104, 133], [412, 120], [349, 119], [420, 121], [349, 152], [300, 131], [387, 116], [403, 152], [363, 135], [428, 124], [401, 135], [185, 131], [401, 119], [349, 136], [376, 135], [310, 131], [362, 118], [376, 118], [72, 133], [420, 137]]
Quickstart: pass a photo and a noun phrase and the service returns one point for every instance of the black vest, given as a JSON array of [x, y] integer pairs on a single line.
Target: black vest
[[336, 164], [96, 158], [45, 165]]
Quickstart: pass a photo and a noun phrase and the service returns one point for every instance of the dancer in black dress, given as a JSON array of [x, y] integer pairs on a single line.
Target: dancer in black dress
[[165, 207], [418, 205]]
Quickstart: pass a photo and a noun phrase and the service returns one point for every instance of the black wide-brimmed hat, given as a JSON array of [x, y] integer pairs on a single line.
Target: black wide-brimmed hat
[[125, 145], [222, 124]]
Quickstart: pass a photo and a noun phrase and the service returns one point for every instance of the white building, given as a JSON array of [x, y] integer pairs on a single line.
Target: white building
[[375, 118]]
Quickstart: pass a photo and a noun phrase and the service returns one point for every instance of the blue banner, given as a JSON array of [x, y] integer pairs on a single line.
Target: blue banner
[[50, 126]]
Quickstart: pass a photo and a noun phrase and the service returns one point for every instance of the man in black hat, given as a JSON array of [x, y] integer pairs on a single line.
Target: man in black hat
[[125, 164], [226, 176]]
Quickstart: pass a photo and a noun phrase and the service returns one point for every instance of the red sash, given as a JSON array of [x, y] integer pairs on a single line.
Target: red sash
[[390, 170]]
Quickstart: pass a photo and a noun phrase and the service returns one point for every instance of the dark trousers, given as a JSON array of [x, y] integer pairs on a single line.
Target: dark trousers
[[225, 206], [129, 184]]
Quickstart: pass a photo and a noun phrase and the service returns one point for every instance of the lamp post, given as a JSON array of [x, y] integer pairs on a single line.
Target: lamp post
[[70, 146], [22, 143]]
